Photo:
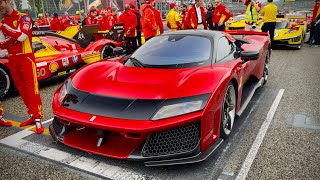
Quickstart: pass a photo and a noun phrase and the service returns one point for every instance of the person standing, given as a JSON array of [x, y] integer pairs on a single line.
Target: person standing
[[92, 17], [77, 18], [148, 21], [184, 13], [16, 27], [251, 16], [130, 23], [316, 34], [55, 23], [157, 16], [138, 28], [209, 15], [197, 16], [269, 13], [173, 19], [220, 15], [316, 12]]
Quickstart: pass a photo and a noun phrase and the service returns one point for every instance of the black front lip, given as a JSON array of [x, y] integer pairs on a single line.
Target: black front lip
[[192, 156]]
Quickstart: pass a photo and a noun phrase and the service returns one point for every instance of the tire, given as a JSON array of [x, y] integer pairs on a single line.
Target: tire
[[5, 83], [228, 111], [107, 51], [266, 69]]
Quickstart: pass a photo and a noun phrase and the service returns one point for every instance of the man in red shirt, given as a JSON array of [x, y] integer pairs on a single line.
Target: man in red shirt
[[55, 23], [130, 23], [220, 15], [16, 27], [185, 22], [148, 21], [41, 20], [138, 28], [92, 17], [112, 18], [197, 16], [157, 16]]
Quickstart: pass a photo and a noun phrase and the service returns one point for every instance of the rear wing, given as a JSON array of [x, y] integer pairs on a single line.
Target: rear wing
[[116, 33]]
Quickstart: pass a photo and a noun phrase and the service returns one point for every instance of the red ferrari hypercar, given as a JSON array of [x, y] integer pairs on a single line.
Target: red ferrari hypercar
[[172, 101], [57, 55]]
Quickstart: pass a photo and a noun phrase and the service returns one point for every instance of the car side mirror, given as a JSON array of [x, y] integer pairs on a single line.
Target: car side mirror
[[39, 47], [249, 55], [118, 51]]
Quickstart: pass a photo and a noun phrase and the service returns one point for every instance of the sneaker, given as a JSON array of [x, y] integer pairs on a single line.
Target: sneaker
[[31, 120], [39, 126], [4, 122]]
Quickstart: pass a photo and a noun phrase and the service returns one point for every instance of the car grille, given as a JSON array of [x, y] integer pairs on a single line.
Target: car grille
[[174, 141]]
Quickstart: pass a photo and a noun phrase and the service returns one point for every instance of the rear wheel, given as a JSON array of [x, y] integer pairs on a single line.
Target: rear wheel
[[266, 68], [5, 83], [228, 111]]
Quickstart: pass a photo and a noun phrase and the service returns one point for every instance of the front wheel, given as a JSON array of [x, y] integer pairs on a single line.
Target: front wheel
[[266, 69], [5, 83], [228, 111]]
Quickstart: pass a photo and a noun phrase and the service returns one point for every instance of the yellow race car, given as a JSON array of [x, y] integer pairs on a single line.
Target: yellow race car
[[236, 23], [288, 33]]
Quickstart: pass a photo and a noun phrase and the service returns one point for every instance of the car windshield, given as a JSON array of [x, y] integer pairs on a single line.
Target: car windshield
[[281, 24], [239, 18], [174, 50]]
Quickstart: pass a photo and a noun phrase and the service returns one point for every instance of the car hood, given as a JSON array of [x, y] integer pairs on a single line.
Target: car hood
[[116, 80]]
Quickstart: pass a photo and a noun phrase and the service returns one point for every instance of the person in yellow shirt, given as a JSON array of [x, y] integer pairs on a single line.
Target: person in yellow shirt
[[173, 18], [269, 13]]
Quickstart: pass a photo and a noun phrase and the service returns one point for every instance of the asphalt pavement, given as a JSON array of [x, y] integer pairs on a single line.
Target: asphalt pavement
[[290, 149]]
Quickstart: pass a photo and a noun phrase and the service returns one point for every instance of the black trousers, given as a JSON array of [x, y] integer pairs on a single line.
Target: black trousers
[[316, 34], [131, 44], [139, 38], [311, 31], [219, 28], [269, 27]]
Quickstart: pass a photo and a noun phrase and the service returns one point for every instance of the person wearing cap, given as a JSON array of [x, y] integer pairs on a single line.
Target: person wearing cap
[[148, 21], [41, 20], [136, 12], [16, 28], [157, 16], [77, 17], [221, 14], [56, 23], [130, 23], [251, 16], [173, 18], [197, 16]]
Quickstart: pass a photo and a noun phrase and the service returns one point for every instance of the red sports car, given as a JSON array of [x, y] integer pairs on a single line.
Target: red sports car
[[173, 101], [57, 55]]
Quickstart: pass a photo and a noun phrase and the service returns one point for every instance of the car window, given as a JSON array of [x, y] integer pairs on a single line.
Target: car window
[[224, 48], [172, 49], [281, 24]]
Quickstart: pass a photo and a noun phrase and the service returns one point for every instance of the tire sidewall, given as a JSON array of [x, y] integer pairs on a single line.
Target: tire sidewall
[[5, 90]]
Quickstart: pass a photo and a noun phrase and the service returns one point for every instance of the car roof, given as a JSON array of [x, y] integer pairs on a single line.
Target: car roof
[[206, 33]]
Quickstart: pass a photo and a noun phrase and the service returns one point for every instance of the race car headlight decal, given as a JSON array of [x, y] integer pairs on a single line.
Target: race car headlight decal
[[296, 39], [178, 109]]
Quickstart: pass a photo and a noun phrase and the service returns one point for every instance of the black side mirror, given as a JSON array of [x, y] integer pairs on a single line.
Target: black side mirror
[[249, 55], [118, 51]]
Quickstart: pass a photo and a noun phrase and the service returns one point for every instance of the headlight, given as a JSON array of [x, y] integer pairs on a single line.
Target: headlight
[[296, 39], [63, 92], [178, 109]]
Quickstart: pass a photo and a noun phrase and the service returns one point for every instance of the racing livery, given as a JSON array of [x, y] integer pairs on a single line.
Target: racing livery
[[289, 33], [173, 101], [57, 55]]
